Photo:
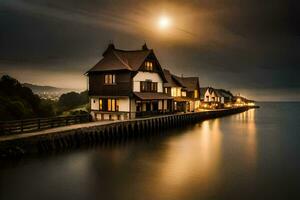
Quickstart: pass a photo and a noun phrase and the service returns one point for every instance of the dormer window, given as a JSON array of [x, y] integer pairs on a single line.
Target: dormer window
[[110, 79], [149, 66]]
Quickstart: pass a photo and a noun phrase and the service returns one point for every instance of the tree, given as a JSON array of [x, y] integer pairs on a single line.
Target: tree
[[72, 99], [18, 102]]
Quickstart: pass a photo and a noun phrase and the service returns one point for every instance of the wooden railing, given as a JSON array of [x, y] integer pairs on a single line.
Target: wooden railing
[[29, 125]]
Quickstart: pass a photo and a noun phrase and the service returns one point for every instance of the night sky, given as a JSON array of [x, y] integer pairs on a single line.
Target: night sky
[[251, 47]]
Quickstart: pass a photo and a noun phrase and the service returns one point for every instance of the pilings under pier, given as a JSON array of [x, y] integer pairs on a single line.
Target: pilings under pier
[[92, 134]]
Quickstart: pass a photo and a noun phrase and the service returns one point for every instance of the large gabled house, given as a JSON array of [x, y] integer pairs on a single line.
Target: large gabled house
[[125, 84]]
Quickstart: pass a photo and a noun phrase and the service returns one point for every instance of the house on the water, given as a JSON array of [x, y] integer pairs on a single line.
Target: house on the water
[[126, 84], [226, 96], [208, 94], [215, 97], [184, 90], [242, 101]]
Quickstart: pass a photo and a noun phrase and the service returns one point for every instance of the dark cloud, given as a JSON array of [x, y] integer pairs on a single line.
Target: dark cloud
[[243, 45]]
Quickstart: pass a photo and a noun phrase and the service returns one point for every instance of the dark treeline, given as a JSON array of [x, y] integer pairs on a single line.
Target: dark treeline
[[19, 102], [72, 99]]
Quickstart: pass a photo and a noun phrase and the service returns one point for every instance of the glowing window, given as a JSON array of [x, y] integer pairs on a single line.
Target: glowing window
[[109, 104], [112, 105], [100, 104], [196, 94], [149, 66], [109, 79]]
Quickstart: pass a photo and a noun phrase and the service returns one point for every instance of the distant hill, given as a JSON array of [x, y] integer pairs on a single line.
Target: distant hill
[[38, 89], [19, 102]]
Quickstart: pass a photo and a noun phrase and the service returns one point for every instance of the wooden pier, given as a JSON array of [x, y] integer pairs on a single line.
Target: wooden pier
[[74, 136]]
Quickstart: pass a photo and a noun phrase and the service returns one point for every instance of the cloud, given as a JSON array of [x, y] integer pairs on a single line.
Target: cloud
[[236, 44]]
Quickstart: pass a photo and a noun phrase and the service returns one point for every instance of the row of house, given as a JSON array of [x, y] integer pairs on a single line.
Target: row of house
[[220, 98], [128, 84]]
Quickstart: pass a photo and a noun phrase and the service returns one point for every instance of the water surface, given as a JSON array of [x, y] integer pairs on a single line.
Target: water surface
[[252, 155]]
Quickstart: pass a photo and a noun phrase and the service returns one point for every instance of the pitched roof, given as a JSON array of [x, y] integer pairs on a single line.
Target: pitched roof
[[225, 93], [217, 92], [117, 59], [190, 83], [171, 82], [202, 92]]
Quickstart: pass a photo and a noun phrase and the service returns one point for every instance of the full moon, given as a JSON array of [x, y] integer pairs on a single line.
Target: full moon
[[164, 22]]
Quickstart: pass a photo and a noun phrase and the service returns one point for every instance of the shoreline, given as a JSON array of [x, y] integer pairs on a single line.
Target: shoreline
[[74, 136]]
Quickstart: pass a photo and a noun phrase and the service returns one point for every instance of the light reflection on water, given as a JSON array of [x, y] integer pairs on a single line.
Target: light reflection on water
[[192, 157], [249, 131], [237, 157]]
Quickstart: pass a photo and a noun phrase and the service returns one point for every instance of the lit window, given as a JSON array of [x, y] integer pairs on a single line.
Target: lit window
[[112, 105], [173, 92], [178, 92], [149, 66], [110, 79], [196, 94], [100, 104], [148, 86], [108, 104]]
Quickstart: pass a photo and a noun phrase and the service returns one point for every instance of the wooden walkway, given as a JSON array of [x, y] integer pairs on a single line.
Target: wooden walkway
[[75, 127], [73, 136], [53, 130]]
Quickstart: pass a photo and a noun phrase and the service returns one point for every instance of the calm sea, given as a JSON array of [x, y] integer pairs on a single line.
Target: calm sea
[[252, 155]]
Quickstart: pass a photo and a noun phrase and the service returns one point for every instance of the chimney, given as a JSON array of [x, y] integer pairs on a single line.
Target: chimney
[[144, 47], [110, 47]]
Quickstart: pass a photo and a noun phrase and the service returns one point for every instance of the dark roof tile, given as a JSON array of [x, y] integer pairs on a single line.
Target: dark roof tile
[[171, 82], [190, 83], [116, 59]]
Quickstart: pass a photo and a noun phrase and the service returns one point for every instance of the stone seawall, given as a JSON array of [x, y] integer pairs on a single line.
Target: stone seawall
[[71, 138]]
